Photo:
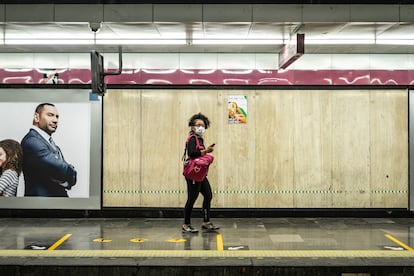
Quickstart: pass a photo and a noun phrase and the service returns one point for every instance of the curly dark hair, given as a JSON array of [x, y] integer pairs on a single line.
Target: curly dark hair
[[199, 116], [14, 155]]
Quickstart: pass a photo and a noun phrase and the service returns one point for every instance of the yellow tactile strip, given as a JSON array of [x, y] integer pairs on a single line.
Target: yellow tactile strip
[[209, 253]]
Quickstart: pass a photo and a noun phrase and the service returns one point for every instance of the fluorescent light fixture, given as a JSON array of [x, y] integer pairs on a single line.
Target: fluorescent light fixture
[[338, 41], [49, 42], [359, 41], [237, 41], [141, 41], [308, 41], [395, 41]]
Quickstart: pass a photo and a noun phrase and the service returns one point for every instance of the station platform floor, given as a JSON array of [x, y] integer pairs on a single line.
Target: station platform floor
[[242, 246]]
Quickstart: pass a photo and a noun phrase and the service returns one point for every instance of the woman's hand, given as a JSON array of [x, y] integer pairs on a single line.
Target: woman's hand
[[207, 150], [210, 149]]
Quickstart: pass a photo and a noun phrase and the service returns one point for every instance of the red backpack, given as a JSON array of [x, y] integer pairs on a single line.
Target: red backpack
[[196, 168]]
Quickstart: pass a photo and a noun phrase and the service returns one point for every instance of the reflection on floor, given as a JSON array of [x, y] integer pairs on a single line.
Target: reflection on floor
[[253, 242]]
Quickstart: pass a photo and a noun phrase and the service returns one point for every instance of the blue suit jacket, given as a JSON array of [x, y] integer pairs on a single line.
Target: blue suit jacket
[[43, 169]]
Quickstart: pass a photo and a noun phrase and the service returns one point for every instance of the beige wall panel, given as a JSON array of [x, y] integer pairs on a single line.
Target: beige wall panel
[[351, 155], [236, 152], [121, 148], [274, 149], [312, 149], [122, 197], [389, 149], [160, 154], [299, 149]]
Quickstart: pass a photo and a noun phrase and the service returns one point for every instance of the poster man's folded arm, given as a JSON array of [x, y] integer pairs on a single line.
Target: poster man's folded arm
[[47, 161]]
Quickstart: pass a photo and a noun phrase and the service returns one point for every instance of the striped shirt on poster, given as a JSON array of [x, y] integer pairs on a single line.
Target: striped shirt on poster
[[9, 180]]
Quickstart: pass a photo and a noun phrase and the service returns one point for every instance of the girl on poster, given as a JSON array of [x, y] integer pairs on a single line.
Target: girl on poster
[[11, 159]]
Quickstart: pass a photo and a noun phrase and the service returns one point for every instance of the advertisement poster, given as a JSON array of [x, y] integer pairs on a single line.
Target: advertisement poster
[[71, 141], [237, 109], [47, 140]]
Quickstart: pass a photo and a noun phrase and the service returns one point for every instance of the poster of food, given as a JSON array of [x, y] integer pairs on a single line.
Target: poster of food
[[237, 109]]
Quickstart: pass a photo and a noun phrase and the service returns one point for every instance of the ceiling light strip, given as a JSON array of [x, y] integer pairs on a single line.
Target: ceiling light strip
[[237, 41], [141, 41], [308, 41], [48, 42]]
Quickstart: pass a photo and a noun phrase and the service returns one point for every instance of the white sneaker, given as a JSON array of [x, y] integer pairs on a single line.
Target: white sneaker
[[188, 229]]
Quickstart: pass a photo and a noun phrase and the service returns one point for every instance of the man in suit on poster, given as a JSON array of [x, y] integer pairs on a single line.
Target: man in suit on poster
[[46, 173]]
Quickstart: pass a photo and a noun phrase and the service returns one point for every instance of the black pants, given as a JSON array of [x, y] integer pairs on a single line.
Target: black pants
[[193, 190]]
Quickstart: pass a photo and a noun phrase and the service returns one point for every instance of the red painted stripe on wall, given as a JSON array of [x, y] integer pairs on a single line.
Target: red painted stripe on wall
[[218, 77]]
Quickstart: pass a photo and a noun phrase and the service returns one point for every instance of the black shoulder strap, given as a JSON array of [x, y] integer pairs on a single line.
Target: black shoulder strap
[[186, 143]]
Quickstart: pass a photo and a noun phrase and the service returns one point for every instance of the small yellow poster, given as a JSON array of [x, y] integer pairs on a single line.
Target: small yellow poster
[[237, 109]]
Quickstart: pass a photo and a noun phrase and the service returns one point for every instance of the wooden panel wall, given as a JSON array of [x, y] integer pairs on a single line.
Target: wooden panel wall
[[299, 148], [122, 148], [389, 149]]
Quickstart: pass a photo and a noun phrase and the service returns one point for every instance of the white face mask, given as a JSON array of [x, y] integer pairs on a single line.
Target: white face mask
[[200, 130]]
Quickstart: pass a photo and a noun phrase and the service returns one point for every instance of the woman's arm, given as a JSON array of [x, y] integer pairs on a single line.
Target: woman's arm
[[192, 150]]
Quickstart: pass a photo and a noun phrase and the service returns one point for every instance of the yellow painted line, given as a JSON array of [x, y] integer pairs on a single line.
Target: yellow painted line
[[176, 240], [400, 243], [59, 242], [220, 246], [138, 240], [210, 253], [101, 240]]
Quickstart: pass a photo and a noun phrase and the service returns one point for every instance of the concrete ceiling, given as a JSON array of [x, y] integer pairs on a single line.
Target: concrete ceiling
[[327, 29]]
